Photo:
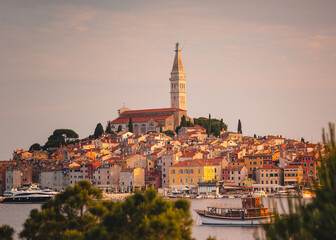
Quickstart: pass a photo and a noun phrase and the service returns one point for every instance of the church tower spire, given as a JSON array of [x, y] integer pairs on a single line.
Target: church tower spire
[[178, 82]]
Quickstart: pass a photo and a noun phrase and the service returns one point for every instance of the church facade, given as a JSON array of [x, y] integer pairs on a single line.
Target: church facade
[[162, 118]]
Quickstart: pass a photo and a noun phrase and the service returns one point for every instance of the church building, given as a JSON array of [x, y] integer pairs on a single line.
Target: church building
[[154, 119]]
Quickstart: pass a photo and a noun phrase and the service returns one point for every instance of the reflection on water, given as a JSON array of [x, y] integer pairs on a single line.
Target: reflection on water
[[16, 214]]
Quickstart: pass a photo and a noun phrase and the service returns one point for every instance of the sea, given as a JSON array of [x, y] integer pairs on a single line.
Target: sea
[[16, 214]]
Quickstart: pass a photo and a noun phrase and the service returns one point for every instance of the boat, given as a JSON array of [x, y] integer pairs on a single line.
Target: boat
[[252, 213], [307, 194], [30, 195], [259, 194]]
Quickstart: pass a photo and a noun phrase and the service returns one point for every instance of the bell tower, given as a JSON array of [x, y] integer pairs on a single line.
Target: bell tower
[[178, 82]]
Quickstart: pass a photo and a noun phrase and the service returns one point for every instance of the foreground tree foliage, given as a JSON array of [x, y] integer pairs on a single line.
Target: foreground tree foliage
[[6, 232], [317, 219], [79, 213]]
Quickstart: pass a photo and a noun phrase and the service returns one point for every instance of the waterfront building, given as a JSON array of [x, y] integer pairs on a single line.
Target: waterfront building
[[293, 174], [132, 179], [189, 173], [269, 174]]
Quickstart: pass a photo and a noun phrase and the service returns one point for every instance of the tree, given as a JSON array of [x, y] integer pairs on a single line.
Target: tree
[[69, 214], [302, 140], [183, 121], [222, 124], [130, 125], [255, 136], [119, 128], [315, 220], [61, 137], [35, 147], [209, 125], [99, 130], [169, 133], [239, 130], [74, 214], [6, 232], [108, 128]]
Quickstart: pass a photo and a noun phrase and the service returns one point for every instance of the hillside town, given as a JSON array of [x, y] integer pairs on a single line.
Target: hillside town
[[136, 152], [125, 162]]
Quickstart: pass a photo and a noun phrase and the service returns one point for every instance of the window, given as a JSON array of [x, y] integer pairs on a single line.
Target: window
[[181, 180], [186, 180], [173, 171], [199, 171], [173, 180], [191, 171], [191, 180], [199, 179], [185, 171], [181, 171]]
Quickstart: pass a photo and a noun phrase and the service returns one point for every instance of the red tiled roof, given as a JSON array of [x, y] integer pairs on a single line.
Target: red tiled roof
[[152, 110], [189, 163], [139, 119], [292, 166]]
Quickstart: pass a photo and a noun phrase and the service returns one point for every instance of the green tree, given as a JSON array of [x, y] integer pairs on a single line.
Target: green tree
[[108, 128], [6, 232], [70, 214], [239, 129], [317, 219], [61, 137], [99, 130], [222, 125], [209, 126], [145, 216], [130, 125], [74, 214], [35, 147], [119, 128], [183, 121], [169, 133], [302, 140]]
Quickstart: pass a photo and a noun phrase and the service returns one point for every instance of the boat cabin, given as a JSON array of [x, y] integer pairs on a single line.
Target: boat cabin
[[251, 207]]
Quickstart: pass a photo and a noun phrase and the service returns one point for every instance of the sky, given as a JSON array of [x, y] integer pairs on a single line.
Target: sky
[[73, 64]]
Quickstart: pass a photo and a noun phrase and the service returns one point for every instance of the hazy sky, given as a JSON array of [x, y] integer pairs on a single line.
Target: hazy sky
[[72, 64]]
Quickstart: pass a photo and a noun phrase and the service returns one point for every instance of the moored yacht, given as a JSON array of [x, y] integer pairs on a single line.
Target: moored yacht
[[30, 195]]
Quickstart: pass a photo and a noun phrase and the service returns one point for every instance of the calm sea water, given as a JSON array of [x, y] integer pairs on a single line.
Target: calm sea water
[[16, 214]]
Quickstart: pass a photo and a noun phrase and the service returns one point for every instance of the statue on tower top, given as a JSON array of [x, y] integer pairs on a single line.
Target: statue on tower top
[[177, 46]]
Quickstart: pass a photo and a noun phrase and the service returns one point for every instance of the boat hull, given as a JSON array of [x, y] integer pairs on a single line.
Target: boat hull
[[25, 199], [219, 220]]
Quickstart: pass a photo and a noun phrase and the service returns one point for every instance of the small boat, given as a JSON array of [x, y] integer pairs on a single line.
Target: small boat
[[253, 213], [307, 194], [30, 195], [259, 194]]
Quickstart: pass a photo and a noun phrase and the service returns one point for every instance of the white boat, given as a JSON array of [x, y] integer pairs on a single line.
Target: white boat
[[259, 194], [30, 195], [253, 213]]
